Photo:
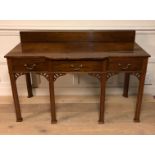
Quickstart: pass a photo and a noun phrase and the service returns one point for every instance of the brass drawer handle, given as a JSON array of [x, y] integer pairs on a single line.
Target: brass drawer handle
[[124, 68], [76, 68], [29, 66]]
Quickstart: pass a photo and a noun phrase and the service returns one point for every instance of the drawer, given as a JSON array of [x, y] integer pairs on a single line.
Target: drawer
[[30, 64], [77, 66], [125, 64]]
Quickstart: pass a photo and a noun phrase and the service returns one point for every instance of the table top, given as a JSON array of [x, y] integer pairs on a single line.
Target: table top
[[87, 44], [77, 50]]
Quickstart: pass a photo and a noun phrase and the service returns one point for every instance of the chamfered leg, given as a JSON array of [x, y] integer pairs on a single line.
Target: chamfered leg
[[29, 85], [140, 91], [102, 98], [126, 84], [52, 98], [139, 99], [15, 97]]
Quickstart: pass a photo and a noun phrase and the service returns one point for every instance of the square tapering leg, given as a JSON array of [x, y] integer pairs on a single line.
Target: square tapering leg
[[102, 98], [52, 98], [126, 84], [15, 97], [140, 91], [29, 85]]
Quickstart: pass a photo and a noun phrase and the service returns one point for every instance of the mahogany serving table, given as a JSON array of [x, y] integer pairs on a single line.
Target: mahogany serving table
[[101, 54]]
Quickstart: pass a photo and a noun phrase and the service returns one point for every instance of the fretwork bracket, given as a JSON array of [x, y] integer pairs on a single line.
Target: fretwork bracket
[[44, 74], [17, 75], [97, 75], [137, 74], [57, 75], [110, 74]]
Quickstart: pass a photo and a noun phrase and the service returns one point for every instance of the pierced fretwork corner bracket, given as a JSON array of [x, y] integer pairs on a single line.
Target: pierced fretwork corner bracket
[[44, 74], [97, 75], [110, 74], [137, 74], [17, 75], [57, 75]]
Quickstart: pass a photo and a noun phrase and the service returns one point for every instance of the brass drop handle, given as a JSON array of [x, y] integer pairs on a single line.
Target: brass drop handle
[[29, 66], [76, 68], [124, 68]]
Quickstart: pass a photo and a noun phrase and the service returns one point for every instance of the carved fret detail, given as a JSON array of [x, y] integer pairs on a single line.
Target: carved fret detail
[[97, 75], [137, 74], [44, 74], [110, 74], [57, 75], [17, 75]]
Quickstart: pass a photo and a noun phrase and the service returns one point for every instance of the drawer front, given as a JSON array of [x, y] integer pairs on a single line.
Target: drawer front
[[77, 66], [30, 64], [125, 64]]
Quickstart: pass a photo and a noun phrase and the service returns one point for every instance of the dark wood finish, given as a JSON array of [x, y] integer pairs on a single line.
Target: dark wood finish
[[126, 84], [76, 66], [14, 92], [125, 64], [78, 36], [76, 51], [31, 64], [103, 79], [140, 91], [101, 54], [52, 98], [29, 85]]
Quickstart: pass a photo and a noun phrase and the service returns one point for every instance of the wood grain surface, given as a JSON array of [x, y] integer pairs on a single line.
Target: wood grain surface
[[77, 115]]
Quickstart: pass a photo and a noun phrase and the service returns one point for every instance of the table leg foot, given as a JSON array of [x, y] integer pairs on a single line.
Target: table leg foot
[[54, 122], [29, 96], [19, 119], [100, 122], [125, 95], [136, 120]]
